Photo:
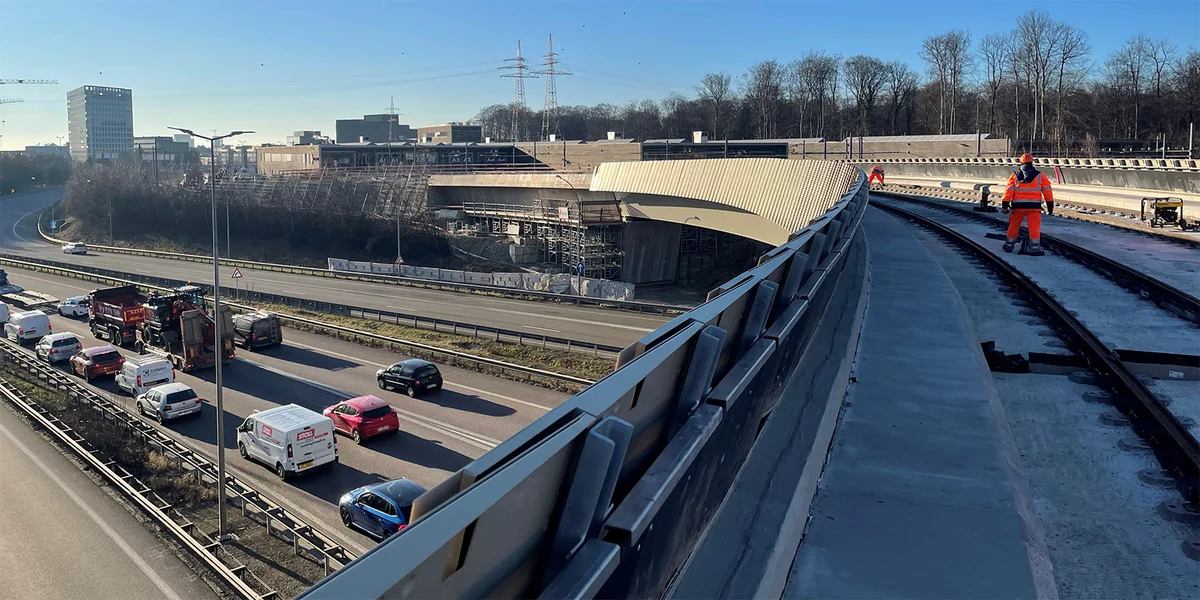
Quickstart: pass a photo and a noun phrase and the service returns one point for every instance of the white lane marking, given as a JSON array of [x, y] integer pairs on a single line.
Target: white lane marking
[[87, 510], [401, 307], [542, 328], [66, 285], [18, 222], [448, 384], [293, 292], [465, 435]]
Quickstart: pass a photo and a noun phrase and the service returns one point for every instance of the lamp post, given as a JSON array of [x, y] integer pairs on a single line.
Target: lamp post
[[222, 533]]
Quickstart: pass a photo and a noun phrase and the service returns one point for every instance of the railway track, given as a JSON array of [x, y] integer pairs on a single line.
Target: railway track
[[1165, 431]]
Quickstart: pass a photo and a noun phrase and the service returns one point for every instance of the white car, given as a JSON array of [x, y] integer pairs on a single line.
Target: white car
[[74, 307], [169, 401], [74, 248]]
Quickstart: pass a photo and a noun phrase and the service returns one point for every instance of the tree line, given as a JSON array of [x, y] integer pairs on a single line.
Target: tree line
[[20, 171], [1038, 81]]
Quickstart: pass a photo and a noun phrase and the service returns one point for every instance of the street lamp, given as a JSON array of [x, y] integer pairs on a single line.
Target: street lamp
[[212, 182]]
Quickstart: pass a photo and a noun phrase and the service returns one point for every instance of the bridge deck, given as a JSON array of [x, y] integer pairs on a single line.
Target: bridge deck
[[918, 499]]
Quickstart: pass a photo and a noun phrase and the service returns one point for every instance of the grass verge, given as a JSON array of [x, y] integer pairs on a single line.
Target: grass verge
[[272, 560], [549, 359]]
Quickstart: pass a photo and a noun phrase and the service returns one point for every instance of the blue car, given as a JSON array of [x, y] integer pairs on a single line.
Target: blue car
[[379, 509]]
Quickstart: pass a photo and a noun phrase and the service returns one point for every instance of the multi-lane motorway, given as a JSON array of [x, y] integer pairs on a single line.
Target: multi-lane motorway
[[18, 234]]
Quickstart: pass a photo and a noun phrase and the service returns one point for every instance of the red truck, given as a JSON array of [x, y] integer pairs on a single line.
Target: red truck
[[115, 313]]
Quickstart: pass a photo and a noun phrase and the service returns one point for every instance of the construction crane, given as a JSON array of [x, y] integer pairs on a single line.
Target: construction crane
[[11, 100], [29, 81]]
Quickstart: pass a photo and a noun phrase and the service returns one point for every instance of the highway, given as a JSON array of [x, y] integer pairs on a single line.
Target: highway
[[65, 537], [439, 434], [19, 236]]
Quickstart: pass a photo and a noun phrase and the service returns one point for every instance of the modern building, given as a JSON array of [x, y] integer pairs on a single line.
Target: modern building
[[307, 137], [100, 122], [185, 138], [374, 128], [49, 150], [450, 133], [163, 149]]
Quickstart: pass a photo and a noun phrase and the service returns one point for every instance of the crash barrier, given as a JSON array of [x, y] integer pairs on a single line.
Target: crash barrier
[[609, 493], [561, 283], [1157, 164], [163, 284], [307, 542], [464, 287]]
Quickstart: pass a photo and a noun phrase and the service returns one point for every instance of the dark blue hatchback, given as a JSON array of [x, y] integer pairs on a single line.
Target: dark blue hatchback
[[379, 509]]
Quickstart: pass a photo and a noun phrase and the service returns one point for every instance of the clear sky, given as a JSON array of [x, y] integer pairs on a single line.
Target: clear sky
[[275, 66]]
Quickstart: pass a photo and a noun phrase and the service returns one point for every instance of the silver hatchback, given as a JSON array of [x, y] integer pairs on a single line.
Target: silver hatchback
[[57, 347]]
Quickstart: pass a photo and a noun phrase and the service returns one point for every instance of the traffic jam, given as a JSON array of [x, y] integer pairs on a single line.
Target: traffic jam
[[147, 338]]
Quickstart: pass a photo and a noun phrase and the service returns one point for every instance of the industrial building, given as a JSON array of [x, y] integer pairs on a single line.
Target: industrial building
[[373, 128], [450, 133], [163, 149], [307, 137], [99, 122]]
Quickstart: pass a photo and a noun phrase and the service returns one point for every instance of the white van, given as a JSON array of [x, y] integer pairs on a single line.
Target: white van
[[28, 326], [139, 374], [291, 439], [3, 312]]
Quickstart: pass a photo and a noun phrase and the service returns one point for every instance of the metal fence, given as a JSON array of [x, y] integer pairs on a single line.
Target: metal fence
[[608, 493]]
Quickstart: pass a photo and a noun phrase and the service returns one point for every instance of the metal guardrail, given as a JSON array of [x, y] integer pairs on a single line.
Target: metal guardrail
[[608, 493], [1131, 164], [112, 277], [652, 307], [306, 541]]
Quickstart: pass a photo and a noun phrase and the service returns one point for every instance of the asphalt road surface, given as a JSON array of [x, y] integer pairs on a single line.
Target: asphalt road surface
[[18, 235], [439, 433], [62, 536]]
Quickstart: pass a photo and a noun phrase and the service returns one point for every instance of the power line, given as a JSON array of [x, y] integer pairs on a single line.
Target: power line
[[519, 71], [550, 122]]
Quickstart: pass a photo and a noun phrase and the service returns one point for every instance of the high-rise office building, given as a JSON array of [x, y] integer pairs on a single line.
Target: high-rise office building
[[100, 122]]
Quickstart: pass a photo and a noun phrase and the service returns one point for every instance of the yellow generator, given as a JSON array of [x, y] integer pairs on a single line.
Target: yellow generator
[[1166, 211]]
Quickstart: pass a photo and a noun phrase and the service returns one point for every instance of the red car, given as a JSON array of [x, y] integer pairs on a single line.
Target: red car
[[363, 417], [96, 361]]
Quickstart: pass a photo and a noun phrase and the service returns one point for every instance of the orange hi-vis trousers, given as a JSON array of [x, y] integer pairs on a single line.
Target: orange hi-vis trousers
[[1035, 223], [875, 177]]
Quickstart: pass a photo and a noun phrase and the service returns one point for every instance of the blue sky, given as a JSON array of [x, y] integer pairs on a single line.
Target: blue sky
[[274, 66]]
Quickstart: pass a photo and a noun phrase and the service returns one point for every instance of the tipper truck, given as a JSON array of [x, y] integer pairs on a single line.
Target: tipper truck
[[174, 325]]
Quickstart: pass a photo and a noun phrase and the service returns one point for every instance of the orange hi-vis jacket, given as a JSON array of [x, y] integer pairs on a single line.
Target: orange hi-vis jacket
[[1027, 187], [877, 170]]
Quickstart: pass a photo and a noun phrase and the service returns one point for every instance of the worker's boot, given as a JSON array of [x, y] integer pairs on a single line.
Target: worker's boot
[[1010, 244], [1035, 248]]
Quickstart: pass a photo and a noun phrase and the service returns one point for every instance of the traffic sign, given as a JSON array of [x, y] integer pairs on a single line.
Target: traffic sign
[[237, 273], [579, 268], [53, 224]]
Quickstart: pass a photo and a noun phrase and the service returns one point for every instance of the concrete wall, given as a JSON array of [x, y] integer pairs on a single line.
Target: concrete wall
[[651, 252], [585, 156], [876, 150], [1166, 181]]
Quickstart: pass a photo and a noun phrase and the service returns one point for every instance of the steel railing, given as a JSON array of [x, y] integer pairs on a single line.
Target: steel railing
[[1133, 164], [608, 493], [111, 277], [652, 307]]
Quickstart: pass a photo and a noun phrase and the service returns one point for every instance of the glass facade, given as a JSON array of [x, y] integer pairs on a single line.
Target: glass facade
[[100, 122]]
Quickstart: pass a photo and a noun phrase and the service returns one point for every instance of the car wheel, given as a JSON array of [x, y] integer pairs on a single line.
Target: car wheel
[[411, 391], [61, 313], [382, 384], [158, 416], [242, 450], [280, 472], [141, 410], [345, 516], [357, 437]]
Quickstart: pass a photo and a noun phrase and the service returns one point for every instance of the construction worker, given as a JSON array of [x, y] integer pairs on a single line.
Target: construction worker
[[1027, 187], [876, 175]]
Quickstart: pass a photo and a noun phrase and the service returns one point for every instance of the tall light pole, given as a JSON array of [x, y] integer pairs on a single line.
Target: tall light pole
[[220, 347]]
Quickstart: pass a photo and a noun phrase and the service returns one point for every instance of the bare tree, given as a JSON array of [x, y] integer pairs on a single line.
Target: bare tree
[[716, 93], [1038, 42], [763, 88], [948, 57], [1161, 55], [1186, 80], [993, 50], [865, 77], [815, 77], [901, 85], [1125, 71], [1071, 67]]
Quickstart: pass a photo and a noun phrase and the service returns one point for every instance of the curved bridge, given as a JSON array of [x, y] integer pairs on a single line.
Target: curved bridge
[[610, 493]]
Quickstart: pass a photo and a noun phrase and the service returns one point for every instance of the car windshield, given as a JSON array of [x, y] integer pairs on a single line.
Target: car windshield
[[375, 413], [426, 371], [109, 356], [180, 396], [64, 342]]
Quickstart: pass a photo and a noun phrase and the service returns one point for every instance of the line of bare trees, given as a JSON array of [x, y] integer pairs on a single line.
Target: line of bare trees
[[1038, 81]]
